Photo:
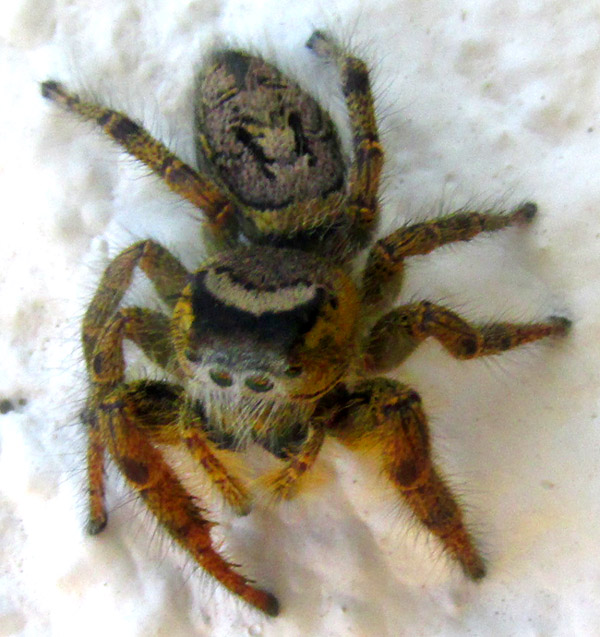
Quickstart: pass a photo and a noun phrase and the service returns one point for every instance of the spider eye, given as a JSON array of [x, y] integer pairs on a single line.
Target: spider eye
[[293, 371], [222, 379], [259, 384]]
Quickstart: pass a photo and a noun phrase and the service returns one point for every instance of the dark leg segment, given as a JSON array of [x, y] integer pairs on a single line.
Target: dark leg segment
[[386, 259], [390, 415], [399, 332], [179, 177], [365, 170]]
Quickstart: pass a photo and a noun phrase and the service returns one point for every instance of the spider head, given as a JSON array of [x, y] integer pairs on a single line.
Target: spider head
[[266, 322]]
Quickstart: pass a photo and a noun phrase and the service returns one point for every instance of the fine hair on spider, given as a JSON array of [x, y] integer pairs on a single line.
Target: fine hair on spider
[[274, 340]]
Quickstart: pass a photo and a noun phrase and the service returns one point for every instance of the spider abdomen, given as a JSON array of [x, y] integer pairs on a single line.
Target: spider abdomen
[[271, 145], [269, 141]]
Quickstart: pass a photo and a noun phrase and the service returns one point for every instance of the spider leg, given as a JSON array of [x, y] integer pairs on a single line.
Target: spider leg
[[162, 268], [97, 516], [107, 372], [105, 327], [191, 431], [149, 330], [390, 416], [178, 176], [130, 419], [283, 483], [386, 259], [399, 332], [365, 169]]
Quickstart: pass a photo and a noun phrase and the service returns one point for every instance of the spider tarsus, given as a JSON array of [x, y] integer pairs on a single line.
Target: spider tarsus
[[562, 324], [272, 606], [96, 526], [476, 571], [524, 214], [51, 89]]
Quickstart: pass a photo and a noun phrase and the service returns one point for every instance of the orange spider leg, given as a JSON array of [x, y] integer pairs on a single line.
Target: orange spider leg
[[128, 418], [386, 258], [149, 330], [106, 368], [162, 268], [283, 483], [126, 437], [400, 331], [365, 169], [178, 176], [97, 516], [390, 416], [144, 327], [233, 491]]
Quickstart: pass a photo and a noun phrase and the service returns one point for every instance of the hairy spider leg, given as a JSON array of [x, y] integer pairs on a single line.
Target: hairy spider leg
[[128, 418], [160, 266], [283, 483], [178, 176], [398, 333], [386, 258], [192, 431], [389, 416], [365, 169], [97, 516], [169, 277], [150, 331], [123, 423], [106, 368]]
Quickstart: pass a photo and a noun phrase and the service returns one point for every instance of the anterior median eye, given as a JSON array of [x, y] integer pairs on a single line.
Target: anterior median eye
[[259, 384], [222, 379]]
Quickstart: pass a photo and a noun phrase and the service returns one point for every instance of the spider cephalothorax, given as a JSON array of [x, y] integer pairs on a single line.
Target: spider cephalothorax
[[264, 333], [273, 340]]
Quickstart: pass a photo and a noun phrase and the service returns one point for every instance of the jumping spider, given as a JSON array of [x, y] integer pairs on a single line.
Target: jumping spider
[[273, 341]]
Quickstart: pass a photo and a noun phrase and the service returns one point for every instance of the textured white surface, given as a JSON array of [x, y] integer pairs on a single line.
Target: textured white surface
[[483, 101]]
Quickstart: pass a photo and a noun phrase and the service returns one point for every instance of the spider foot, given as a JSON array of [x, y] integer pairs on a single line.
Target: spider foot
[[271, 606], [524, 214], [55, 91], [96, 525], [471, 562], [562, 325], [241, 508]]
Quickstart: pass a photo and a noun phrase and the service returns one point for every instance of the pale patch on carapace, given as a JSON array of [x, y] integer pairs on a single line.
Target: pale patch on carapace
[[256, 300]]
